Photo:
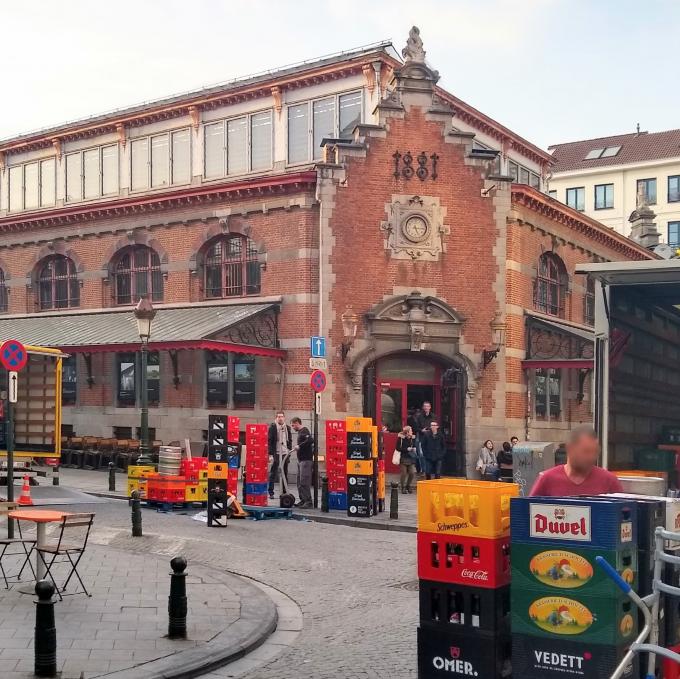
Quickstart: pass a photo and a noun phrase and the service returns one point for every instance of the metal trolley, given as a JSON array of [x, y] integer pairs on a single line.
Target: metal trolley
[[647, 640]]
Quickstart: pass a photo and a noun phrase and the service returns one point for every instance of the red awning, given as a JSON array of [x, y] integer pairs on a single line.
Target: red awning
[[201, 344], [576, 363]]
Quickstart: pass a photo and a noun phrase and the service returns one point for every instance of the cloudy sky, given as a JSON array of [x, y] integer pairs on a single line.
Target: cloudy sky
[[552, 70]]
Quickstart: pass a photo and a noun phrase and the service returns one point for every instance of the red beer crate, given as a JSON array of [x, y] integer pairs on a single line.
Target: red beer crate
[[476, 562], [257, 474], [233, 427], [191, 468], [232, 481], [258, 431], [259, 500], [337, 484]]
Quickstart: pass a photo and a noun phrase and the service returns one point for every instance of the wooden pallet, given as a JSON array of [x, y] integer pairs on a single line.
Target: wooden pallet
[[262, 513]]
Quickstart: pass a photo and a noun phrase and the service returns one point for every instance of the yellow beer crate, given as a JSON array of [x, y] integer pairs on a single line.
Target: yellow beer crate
[[197, 492], [359, 467], [363, 424], [218, 470], [139, 485], [140, 471]]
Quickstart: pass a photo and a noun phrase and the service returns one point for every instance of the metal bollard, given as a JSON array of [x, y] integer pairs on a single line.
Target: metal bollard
[[112, 477], [394, 500], [177, 601], [136, 504], [324, 494], [55, 475], [45, 641]]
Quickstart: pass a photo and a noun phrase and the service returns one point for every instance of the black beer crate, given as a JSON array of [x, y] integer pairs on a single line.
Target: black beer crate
[[537, 658], [359, 445], [457, 654], [671, 605], [223, 453], [445, 605], [360, 492]]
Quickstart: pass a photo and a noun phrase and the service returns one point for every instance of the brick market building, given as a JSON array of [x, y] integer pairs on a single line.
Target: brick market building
[[349, 197]]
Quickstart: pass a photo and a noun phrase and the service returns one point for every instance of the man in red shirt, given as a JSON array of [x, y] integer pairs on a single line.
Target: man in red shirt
[[580, 475]]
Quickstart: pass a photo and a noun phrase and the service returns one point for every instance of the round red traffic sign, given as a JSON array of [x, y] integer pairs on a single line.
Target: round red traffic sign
[[13, 355], [318, 381]]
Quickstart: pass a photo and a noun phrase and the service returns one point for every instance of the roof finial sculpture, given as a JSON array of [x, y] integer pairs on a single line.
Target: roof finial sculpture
[[414, 47]]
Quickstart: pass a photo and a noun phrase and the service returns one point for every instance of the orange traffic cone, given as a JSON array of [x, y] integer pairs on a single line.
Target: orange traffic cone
[[25, 499]]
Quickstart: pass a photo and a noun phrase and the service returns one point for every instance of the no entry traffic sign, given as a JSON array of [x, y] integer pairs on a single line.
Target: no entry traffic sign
[[318, 381], [13, 355]]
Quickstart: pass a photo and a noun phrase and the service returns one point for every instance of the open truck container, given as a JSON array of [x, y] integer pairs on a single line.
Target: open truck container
[[37, 414], [637, 356]]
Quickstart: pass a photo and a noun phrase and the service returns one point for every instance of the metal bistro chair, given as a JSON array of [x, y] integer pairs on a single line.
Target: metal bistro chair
[[91, 453], [8, 543], [74, 531]]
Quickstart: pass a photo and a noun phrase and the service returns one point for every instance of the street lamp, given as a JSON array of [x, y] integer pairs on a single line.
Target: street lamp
[[144, 315], [498, 334]]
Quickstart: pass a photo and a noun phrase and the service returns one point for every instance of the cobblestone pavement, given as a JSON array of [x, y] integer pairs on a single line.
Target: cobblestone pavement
[[124, 623], [355, 587]]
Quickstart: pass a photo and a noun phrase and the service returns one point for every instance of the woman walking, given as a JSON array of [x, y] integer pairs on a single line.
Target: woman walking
[[487, 465], [406, 445], [505, 462]]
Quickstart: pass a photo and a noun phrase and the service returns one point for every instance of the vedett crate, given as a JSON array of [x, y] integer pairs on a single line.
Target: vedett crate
[[444, 654], [571, 570], [588, 619], [480, 562], [456, 606], [535, 658], [575, 522]]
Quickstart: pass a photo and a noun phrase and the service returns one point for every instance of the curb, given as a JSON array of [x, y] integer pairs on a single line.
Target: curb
[[356, 523]]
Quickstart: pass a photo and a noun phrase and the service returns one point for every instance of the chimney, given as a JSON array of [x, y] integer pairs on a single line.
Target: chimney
[[642, 225]]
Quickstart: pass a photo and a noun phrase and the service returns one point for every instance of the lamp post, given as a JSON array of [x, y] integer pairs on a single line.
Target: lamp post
[[144, 315]]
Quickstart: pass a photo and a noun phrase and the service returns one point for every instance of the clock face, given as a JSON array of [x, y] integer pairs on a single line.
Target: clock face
[[415, 228]]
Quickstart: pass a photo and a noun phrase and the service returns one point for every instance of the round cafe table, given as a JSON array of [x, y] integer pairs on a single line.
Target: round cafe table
[[41, 517]]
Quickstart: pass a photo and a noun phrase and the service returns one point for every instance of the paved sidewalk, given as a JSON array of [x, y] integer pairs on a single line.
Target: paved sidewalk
[[120, 631], [97, 482]]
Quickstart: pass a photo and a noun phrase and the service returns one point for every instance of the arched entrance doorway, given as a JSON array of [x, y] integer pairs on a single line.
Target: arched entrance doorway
[[396, 387]]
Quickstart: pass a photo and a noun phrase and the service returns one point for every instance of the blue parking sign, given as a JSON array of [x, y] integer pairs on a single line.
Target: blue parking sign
[[318, 347]]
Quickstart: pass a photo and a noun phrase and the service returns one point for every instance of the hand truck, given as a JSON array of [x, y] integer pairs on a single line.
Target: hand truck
[[649, 605]]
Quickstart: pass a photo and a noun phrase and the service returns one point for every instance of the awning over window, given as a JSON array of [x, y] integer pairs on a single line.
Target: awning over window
[[240, 328], [555, 344]]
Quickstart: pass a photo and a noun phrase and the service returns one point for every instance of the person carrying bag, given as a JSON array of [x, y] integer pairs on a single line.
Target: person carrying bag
[[486, 463], [408, 454]]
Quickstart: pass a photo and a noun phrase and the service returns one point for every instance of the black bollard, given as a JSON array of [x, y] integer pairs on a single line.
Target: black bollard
[[136, 514], [177, 601], [55, 475], [394, 500], [45, 642], [112, 477], [324, 493]]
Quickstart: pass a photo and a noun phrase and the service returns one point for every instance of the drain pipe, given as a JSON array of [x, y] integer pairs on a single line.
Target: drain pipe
[[282, 377]]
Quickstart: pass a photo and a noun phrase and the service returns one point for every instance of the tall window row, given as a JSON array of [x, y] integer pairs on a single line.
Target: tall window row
[[33, 185], [160, 160], [92, 173]]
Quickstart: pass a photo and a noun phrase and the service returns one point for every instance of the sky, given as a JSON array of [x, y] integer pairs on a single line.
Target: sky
[[550, 70]]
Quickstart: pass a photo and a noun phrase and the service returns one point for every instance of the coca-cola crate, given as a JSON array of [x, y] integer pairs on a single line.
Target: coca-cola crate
[[454, 606], [337, 485], [607, 523], [481, 562], [456, 654], [257, 474]]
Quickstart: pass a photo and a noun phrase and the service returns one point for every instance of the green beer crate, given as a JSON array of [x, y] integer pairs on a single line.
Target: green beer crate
[[571, 570], [565, 615]]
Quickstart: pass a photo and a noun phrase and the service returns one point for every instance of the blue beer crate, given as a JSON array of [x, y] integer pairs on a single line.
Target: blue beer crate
[[234, 461], [256, 488], [607, 523], [337, 501]]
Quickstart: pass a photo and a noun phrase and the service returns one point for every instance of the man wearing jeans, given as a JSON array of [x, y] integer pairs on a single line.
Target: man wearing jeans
[[305, 455], [434, 451], [279, 440]]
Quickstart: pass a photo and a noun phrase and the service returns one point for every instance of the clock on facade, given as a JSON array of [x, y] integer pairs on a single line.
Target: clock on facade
[[415, 228]]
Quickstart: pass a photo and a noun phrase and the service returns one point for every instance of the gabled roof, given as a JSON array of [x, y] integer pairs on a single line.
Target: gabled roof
[[635, 148]]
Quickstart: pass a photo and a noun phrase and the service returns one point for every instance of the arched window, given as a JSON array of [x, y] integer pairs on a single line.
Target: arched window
[[231, 267], [3, 292], [137, 273], [58, 286], [551, 285]]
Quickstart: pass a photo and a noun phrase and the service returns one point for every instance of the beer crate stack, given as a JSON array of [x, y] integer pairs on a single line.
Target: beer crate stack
[[234, 461], [336, 463], [567, 615], [138, 479], [361, 486], [464, 578], [257, 465], [195, 473], [219, 452]]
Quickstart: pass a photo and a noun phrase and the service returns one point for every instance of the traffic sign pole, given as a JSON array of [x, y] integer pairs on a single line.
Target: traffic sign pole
[[9, 440], [315, 471]]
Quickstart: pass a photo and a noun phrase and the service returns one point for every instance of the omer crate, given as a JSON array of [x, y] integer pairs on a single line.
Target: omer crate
[[588, 619], [359, 467], [462, 507], [480, 562], [536, 658], [604, 523], [571, 570], [450, 605], [444, 654]]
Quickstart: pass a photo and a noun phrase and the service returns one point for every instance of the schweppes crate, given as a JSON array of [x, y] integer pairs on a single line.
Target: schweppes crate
[[535, 658], [587, 619], [455, 606], [574, 522], [457, 654], [571, 570], [358, 446], [478, 562]]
